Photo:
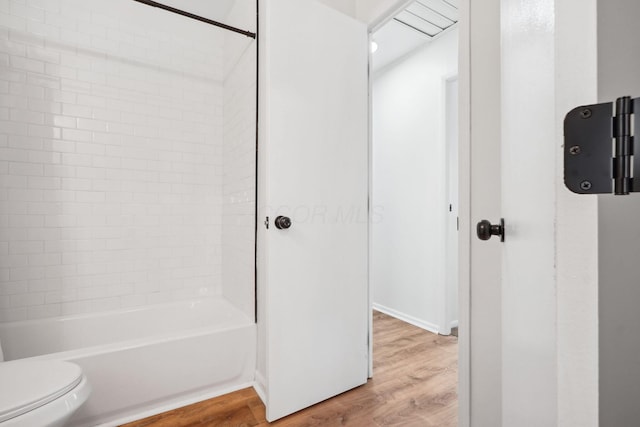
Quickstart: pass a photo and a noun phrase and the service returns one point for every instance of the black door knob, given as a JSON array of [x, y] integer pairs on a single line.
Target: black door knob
[[485, 230], [283, 222]]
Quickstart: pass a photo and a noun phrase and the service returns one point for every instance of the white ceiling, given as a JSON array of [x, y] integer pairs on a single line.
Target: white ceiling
[[412, 28]]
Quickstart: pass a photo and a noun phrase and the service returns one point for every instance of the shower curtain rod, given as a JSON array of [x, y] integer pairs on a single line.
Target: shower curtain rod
[[197, 18]]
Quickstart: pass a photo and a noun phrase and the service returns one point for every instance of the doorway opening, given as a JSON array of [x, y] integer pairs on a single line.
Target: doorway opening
[[414, 181]]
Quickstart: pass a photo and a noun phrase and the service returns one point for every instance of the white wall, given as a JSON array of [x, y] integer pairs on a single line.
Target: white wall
[[409, 183], [217, 10], [239, 161], [619, 230], [374, 11], [348, 7], [370, 12], [110, 157]]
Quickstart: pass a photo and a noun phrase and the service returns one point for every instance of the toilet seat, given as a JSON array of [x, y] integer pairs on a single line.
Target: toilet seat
[[30, 384]]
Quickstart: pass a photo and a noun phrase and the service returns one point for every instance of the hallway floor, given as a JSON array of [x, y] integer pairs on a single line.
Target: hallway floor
[[414, 384]]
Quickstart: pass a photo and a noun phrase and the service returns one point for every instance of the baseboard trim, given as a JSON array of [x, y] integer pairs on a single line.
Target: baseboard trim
[[260, 386], [407, 318]]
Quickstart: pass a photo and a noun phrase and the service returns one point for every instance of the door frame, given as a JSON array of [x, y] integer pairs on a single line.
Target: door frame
[[464, 214], [450, 241], [464, 209], [577, 302]]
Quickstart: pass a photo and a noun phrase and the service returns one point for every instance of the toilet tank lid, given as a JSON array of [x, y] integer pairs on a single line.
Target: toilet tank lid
[[28, 384]]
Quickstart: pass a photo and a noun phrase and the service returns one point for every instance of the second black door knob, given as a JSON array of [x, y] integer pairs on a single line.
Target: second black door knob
[[485, 230]]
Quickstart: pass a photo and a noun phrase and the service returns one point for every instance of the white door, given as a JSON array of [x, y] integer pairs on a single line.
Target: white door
[[314, 133], [480, 371], [528, 206], [533, 327]]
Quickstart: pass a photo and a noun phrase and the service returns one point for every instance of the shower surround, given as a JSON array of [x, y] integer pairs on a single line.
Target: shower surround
[[127, 192], [112, 157]]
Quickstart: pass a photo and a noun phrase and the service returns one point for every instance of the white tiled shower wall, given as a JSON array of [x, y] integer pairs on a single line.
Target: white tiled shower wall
[[239, 163], [111, 154]]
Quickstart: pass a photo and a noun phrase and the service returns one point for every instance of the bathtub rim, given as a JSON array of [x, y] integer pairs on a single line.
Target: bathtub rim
[[132, 344], [124, 310], [243, 321]]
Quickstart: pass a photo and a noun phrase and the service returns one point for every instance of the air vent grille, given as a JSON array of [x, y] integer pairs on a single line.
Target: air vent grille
[[430, 17]]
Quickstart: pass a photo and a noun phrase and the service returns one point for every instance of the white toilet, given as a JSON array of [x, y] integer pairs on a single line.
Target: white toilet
[[40, 393]]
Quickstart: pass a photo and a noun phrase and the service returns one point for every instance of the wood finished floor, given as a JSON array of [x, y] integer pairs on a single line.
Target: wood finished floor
[[414, 384]]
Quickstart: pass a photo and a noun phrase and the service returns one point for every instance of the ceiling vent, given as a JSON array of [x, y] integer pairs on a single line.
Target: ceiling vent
[[429, 17]]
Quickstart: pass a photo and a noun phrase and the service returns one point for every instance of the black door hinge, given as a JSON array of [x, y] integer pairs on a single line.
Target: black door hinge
[[599, 148]]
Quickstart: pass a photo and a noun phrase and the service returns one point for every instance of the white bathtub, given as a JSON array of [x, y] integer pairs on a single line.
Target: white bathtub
[[144, 361]]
